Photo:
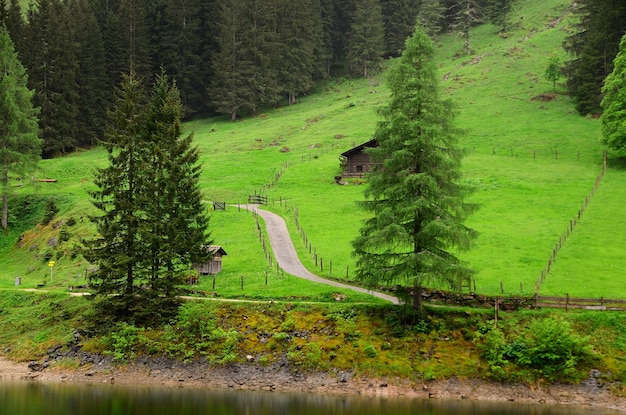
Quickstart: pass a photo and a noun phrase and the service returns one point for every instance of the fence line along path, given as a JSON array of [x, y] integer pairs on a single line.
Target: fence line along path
[[287, 257]]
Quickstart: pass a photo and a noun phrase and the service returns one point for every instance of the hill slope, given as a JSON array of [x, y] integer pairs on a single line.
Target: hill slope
[[532, 160]]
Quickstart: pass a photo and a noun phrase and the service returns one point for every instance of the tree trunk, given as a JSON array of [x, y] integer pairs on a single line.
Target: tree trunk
[[5, 211], [417, 297]]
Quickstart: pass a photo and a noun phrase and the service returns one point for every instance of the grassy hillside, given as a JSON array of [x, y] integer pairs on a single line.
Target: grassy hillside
[[531, 158]]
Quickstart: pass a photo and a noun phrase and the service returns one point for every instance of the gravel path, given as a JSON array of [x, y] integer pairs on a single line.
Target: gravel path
[[288, 260]]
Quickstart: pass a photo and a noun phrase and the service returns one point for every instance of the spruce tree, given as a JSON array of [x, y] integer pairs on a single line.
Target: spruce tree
[[116, 249], [614, 104], [296, 35], [152, 224], [366, 39], [50, 56], [233, 65], [467, 14], [94, 94], [594, 45], [416, 200], [498, 12], [20, 146], [399, 17], [175, 228], [430, 16]]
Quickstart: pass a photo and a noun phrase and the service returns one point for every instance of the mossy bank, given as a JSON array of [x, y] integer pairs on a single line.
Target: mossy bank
[[529, 347]]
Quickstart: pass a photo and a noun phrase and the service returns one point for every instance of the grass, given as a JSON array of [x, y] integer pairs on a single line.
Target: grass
[[530, 157]]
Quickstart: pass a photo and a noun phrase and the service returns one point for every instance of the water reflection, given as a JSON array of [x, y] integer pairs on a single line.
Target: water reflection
[[60, 399]]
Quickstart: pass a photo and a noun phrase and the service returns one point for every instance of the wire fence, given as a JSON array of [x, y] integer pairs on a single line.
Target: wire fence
[[571, 226]]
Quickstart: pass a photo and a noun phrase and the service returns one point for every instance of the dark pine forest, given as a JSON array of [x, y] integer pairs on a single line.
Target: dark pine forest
[[235, 57]]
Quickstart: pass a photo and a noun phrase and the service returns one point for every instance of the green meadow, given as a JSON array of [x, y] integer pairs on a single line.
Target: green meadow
[[530, 157]]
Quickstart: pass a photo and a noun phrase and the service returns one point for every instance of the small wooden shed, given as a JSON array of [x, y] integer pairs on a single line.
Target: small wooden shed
[[356, 162], [214, 264]]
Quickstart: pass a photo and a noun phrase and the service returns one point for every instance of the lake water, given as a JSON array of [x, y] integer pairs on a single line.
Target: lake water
[[24, 398]]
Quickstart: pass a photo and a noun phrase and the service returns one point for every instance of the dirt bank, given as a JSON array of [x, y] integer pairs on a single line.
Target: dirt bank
[[280, 378]]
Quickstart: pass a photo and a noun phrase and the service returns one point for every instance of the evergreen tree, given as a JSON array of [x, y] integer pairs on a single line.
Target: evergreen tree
[[11, 16], [135, 38], [49, 54], [295, 46], [399, 17], [175, 225], [614, 103], [116, 249], [184, 61], [152, 224], [498, 12], [233, 65], [593, 47], [20, 146], [366, 39], [414, 196], [467, 14], [94, 94], [343, 12], [324, 38], [430, 16]]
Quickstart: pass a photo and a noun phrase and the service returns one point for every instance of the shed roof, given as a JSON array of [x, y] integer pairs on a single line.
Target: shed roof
[[360, 147], [216, 249]]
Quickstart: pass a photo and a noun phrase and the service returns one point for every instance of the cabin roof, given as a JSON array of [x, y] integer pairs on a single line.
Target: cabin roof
[[360, 147]]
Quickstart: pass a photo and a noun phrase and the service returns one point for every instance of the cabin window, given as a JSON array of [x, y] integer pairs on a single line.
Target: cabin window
[[359, 169]]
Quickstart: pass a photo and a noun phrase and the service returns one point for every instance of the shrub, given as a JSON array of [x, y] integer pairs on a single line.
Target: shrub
[[551, 347], [51, 210], [370, 351], [548, 347], [64, 235]]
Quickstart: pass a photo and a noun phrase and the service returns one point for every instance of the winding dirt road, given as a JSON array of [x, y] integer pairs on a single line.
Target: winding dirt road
[[287, 257]]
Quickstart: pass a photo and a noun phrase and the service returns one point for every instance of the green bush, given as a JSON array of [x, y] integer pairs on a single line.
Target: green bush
[[370, 351], [51, 210], [64, 235], [552, 348], [548, 347]]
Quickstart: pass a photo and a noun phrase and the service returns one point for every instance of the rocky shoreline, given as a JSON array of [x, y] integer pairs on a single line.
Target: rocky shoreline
[[280, 377]]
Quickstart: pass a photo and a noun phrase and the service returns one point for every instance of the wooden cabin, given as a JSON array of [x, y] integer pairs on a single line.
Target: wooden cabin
[[214, 264], [356, 162]]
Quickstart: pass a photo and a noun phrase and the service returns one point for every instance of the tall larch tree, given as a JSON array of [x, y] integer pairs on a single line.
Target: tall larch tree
[[366, 38], [415, 196], [614, 104], [20, 146]]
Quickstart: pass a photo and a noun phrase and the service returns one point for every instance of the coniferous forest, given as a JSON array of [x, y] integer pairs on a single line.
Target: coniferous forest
[[234, 57]]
